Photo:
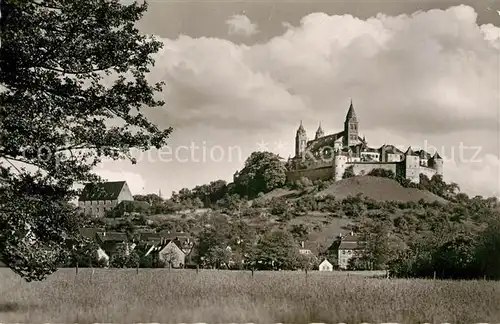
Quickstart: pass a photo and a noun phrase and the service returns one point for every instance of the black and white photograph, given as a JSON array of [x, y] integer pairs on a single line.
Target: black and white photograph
[[250, 161]]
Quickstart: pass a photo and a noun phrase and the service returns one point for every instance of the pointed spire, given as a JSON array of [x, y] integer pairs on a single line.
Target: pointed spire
[[437, 156], [351, 114], [301, 129], [409, 151], [319, 132]]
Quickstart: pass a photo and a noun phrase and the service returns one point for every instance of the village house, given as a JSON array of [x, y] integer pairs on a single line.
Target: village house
[[325, 266], [171, 248], [305, 249], [98, 198], [111, 242], [181, 239], [168, 253], [349, 247]]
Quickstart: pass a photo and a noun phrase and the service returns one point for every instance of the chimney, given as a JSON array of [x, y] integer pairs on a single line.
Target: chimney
[[302, 244], [352, 233]]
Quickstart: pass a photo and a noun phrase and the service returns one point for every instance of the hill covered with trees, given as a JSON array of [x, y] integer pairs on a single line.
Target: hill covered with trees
[[413, 230]]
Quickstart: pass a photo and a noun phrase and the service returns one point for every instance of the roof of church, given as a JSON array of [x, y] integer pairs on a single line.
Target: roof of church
[[301, 129], [101, 191], [351, 113], [391, 149]]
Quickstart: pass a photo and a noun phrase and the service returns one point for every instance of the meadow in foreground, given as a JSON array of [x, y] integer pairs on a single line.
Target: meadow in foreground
[[123, 296]]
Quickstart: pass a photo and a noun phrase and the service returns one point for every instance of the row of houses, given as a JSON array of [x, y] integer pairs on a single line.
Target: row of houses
[[346, 247], [175, 249], [172, 249]]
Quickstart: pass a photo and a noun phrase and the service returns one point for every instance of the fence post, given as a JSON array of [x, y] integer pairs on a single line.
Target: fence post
[[76, 268], [197, 269], [434, 275]]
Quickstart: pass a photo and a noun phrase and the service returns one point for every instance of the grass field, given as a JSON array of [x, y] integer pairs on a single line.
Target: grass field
[[122, 296]]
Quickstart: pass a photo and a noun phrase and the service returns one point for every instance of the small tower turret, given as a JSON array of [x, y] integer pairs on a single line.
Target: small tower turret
[[351, 128], [319, 132], [436, 162], [300, 140], [412, 166]]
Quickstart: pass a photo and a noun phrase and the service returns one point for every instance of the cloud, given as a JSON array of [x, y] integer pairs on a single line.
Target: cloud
[[431, 76], [241, 25], [481, 177]]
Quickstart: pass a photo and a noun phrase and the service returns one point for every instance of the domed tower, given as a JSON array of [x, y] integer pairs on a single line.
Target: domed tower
[[351, 136], [300, 140], [319, 132]]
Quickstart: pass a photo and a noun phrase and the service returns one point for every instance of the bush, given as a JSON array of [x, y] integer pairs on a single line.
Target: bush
[[349, 172], [379, 172]]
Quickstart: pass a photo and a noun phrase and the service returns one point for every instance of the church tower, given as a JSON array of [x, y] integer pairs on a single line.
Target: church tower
[[319, 132], [300, 140], [351, 136]]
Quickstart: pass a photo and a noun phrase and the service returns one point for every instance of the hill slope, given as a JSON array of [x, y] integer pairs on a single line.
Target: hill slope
[[379, 189]]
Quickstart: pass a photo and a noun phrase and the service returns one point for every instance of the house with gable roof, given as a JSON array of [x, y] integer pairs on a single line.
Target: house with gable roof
[[350, 246], [98, 198], [325, 265]]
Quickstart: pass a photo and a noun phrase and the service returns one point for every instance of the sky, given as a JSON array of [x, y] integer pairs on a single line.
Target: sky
[[240, 76]]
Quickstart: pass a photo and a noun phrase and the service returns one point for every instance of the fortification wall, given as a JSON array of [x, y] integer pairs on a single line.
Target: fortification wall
[[427, 171], [322, 173], [363, 168]]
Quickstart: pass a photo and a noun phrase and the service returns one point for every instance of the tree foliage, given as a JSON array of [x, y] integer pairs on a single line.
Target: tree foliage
[[348, 172], [73, 78], [263, 172]]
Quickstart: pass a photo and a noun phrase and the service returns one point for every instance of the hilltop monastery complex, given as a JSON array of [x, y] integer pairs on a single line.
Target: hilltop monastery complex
[[328, 156]]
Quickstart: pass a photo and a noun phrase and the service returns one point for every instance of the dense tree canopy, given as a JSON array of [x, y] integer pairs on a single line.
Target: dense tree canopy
[[73, 78], [263, 172]]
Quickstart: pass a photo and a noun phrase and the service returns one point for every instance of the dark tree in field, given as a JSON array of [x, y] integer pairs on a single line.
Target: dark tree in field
[[73, 85]]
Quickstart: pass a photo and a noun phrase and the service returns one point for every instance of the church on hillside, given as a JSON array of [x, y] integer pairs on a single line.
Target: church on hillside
[[328, 156]]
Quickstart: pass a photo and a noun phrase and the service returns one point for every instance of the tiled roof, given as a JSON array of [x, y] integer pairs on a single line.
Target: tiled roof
[[90, 232], [113, 246], [423, 154], [348, 245], [370, 149], [350, 238], [351, 113], [410, 152], [145, 236], [350, 242], [436, 156], [391, 149], [101, 191], [112, 236]]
